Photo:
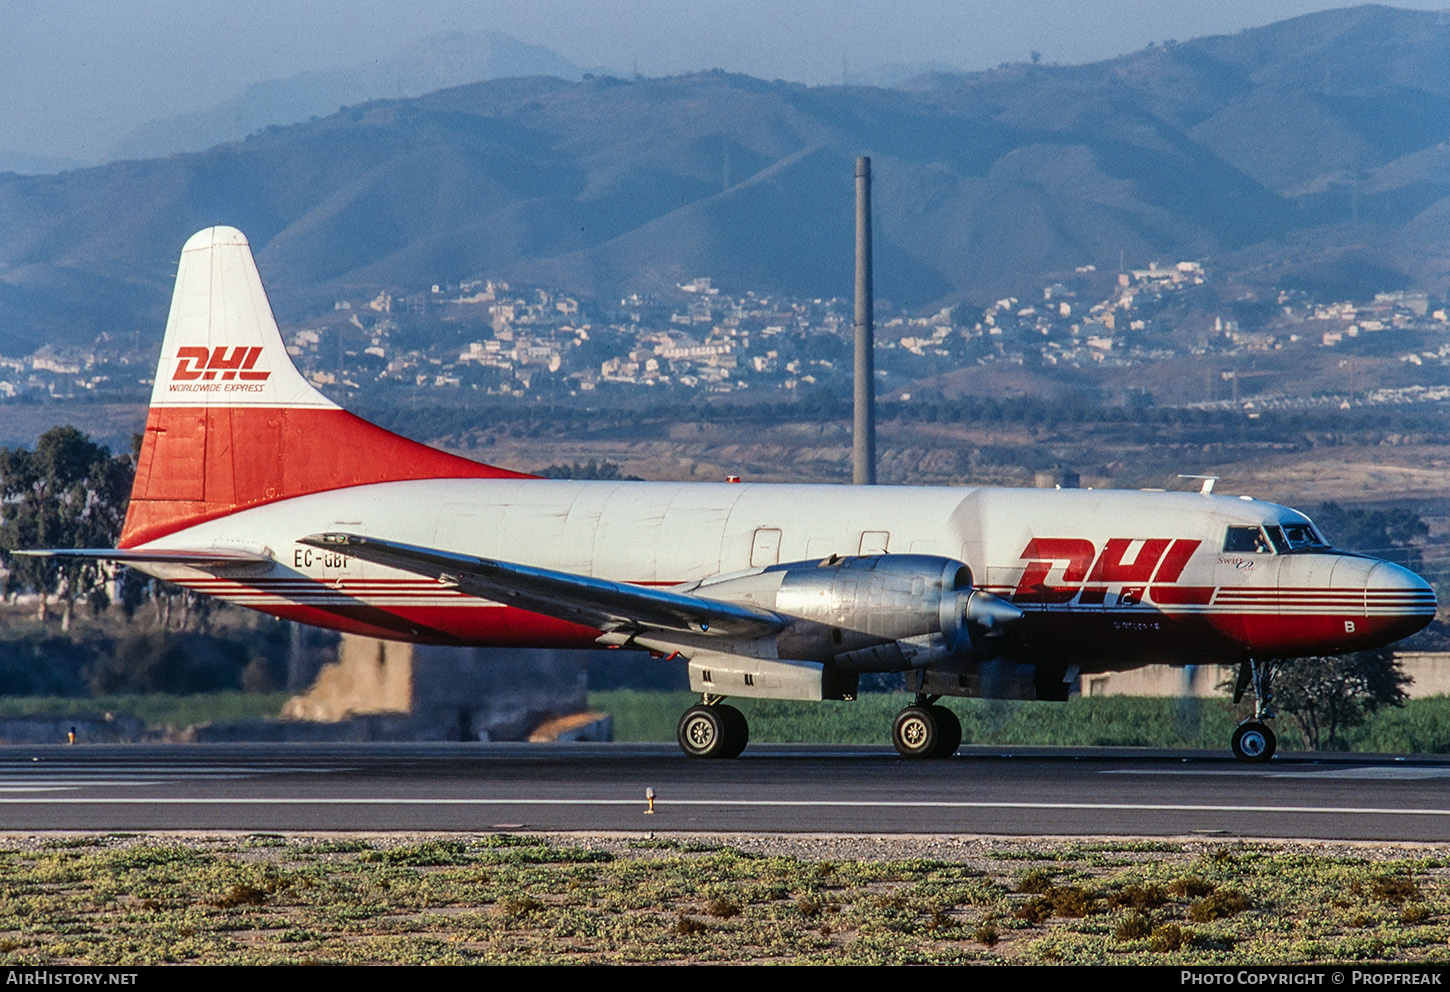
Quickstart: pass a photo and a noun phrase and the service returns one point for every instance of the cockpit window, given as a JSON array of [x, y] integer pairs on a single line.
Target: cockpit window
[[1276, 536], [1302, 536], [1246, 540]]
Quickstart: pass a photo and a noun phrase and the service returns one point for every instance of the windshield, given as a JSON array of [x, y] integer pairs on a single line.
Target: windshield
[[1280, 539], [1299, 537]]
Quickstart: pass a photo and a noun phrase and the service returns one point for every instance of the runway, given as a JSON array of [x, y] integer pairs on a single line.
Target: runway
[[1114, 792]]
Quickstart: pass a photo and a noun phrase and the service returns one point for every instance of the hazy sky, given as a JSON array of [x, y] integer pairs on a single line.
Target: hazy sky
[[77, 75]]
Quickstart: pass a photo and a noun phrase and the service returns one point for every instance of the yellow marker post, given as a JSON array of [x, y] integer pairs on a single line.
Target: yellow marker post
[[649, 795]]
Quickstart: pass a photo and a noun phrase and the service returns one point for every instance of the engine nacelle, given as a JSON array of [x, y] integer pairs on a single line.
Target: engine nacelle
[[874, 613]]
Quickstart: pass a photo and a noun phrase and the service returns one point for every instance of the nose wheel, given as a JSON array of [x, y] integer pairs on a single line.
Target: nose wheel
[[1253, 741]]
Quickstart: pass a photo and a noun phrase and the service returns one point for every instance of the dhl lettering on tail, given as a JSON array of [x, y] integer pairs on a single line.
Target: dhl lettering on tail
[[231, 363]]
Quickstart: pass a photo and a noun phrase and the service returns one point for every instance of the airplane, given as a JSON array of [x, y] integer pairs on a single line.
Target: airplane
[[253, 487]]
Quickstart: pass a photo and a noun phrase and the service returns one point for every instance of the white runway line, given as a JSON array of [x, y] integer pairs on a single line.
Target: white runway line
[[1378, 773], [37, 777], [725, 803]]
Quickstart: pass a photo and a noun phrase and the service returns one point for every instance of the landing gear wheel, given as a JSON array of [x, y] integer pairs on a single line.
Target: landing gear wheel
[[950, 729], [737, 731], [916, 732], [703, 732], [713, 732], [1253, 741]]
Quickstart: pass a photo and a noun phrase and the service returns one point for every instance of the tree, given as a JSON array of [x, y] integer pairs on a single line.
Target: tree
[[1326, 695], [68, 493], [1388, 533], [605, 470]]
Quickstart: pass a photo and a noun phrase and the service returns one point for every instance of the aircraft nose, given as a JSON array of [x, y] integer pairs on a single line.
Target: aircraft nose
[[1398, 599]]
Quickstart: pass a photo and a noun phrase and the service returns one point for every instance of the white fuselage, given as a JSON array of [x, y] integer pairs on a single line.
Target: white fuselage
[[1101, 573]]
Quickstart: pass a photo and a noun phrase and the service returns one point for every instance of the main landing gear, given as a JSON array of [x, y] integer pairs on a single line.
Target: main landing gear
[[713, 730], [1253, 740], [926, 730]]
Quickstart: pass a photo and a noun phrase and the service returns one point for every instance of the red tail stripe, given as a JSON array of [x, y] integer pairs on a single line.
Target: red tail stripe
[[199, 463]]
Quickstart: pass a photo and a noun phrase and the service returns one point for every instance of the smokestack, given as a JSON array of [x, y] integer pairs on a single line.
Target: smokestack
[[863, 447]]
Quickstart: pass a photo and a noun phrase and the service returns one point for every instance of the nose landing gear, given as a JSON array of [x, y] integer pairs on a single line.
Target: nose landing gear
[[1253, 741]]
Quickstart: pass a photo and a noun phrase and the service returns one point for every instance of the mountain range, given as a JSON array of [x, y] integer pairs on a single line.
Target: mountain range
[[1311, 152]]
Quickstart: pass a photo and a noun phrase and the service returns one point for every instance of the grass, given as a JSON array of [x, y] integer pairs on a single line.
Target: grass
[[1421, 726], [499, 899], [155, 710]]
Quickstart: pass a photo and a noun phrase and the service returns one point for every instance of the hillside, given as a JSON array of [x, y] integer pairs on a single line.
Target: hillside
[[1308, 150]]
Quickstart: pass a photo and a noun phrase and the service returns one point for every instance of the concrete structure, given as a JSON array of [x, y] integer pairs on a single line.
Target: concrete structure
[[1430, 671], [425, 692]]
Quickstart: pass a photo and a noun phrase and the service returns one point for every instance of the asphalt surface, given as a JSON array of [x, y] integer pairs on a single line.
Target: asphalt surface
[[772, 789]]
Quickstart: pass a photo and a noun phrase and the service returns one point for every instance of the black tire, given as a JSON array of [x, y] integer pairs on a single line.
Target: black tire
[[950, 729], [1049, 685], [916, 732], [1253, 742], [737, 731], [704, 732]]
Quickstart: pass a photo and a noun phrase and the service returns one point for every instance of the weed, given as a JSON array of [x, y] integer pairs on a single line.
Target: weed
[[517, 906], [1414, 914], [1035, 881], [1389, 888], [1190, 887], [722, 908], [688, 926], [1038, 909], [335, 846], [1133, 896], [1068, 901], [1219, 905], [1168, 937], [428, 854], [241, 895], [1135, 926]]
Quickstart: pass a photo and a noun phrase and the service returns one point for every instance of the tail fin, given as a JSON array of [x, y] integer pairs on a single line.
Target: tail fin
[[233, 423]]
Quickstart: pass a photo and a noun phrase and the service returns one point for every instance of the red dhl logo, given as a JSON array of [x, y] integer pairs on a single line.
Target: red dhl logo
[[1158, 560], [236, 363]]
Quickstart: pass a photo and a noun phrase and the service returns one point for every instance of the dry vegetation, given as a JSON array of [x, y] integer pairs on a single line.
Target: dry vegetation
[[260, 899]]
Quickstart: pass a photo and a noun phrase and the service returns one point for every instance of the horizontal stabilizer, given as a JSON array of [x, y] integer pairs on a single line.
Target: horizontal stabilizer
[[600, 603], [196, 557]]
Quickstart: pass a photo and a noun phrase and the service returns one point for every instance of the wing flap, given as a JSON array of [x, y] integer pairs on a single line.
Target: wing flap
[[595, 602]]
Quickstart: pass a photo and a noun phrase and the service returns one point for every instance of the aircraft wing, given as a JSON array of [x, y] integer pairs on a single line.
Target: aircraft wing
[[600, 603]]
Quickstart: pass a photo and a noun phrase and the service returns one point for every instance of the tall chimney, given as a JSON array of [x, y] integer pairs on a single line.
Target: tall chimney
[[863, 447]]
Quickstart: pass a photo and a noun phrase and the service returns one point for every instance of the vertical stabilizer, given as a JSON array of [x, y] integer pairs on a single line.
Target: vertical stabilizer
[[222, 346], [234, 424]]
